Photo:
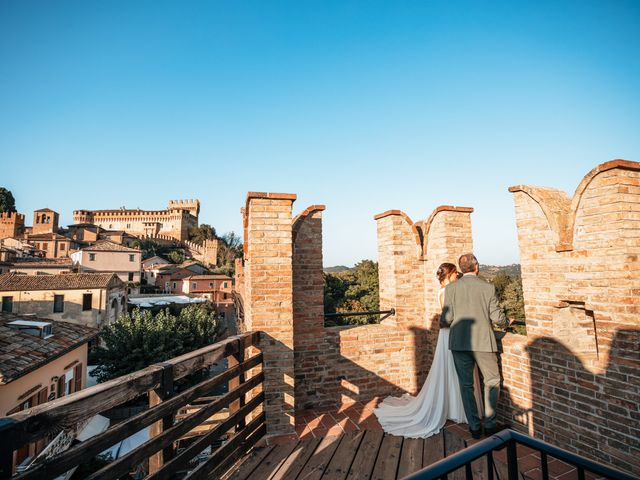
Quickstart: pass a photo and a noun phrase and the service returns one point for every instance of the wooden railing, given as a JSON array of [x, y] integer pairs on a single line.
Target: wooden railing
[[66, 413]]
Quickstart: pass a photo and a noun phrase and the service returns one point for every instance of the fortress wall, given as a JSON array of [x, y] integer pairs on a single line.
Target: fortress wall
[[11, 224], [176, 221], [352, 363], [574, 379]]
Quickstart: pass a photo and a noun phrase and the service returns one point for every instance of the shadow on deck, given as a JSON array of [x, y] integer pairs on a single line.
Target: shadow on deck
[[371, 454]]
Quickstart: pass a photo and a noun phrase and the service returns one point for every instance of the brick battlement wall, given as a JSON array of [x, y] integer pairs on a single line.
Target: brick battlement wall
[[329, 366], [11, 224], [574, 380]]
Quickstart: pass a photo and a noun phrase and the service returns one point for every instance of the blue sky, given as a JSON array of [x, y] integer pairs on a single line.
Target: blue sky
[[362, 106]]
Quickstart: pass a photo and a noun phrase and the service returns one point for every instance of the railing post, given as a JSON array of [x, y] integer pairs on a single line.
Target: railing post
[[6, 456], [235, 382], [512, 460], [164, 392]]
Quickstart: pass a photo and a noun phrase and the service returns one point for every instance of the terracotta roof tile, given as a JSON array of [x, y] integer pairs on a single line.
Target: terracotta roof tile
[[63, 281], [107, 246], [21, 353]]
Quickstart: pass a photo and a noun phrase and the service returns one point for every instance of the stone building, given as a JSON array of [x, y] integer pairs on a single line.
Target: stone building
[[105, 256], [174, 222], [89, 299], [45, 220]]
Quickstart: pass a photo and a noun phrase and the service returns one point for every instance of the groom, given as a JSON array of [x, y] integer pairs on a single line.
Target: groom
[[470, 307]]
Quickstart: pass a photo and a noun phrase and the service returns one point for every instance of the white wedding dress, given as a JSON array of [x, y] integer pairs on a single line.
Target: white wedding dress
[[438, 400]]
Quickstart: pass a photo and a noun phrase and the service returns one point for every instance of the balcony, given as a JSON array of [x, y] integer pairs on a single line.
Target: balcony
[[197, 435]]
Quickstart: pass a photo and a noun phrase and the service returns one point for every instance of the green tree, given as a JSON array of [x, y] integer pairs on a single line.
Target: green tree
[[176, 256], [148, 248], [513, 300], [7, 202], [201, 233], [354, 290], [229, 248], [500, 281], [139, 339]]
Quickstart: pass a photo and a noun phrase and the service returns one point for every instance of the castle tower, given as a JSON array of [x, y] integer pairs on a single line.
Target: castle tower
[[191, 206], [45, 220], [11, 224]]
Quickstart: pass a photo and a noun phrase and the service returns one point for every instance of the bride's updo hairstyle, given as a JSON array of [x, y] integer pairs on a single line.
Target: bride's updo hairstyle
[[445, 270]]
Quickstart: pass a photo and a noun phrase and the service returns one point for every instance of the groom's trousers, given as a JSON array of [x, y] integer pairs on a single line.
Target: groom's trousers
[[488, 364]]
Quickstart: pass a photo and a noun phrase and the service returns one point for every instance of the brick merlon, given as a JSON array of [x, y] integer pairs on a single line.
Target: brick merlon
[[272, 196]]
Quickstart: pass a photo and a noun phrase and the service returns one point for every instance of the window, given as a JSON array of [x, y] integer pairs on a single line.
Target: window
[[132, 257], [62, 247], [131, 276], [210, 284], [7, 304], [175, 285], [38, 245], [194, 285], [87, 300], [45, 245], [58, 303], [77, 372], [92, 257], [128, 225], [224, 284]]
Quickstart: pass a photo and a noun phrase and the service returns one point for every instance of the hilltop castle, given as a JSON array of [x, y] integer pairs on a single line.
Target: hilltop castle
[[174, 222]]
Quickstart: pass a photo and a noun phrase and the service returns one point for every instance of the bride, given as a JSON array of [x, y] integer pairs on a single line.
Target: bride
[[439, 399]]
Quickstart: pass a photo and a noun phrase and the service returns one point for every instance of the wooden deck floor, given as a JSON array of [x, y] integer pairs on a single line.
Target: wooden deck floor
[[364, 455]]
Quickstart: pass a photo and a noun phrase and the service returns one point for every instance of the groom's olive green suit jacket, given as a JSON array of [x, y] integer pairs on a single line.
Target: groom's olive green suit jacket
[[470, 307]]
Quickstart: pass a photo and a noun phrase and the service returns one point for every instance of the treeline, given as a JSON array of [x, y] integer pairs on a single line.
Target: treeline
[[357, 290], [352, 290]]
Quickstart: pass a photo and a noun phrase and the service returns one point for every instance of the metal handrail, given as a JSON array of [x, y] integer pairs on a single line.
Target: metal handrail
[[510, 438], [386, 313]]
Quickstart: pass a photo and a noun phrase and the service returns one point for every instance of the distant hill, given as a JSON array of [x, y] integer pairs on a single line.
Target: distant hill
[[336, 269], [490, 271], [487, 271]]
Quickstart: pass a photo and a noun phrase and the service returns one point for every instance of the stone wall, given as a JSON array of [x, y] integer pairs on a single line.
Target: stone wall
[[575, 379]]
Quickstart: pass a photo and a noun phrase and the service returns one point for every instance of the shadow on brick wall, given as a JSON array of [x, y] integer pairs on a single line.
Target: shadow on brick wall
[[595, 415]]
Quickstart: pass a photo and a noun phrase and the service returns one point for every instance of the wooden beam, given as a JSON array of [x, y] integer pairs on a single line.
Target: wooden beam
[[203, 442], [93, 446], [122, 465]]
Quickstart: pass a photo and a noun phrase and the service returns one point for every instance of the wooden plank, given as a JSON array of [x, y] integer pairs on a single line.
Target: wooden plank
[[272, 462], [452, 444], [433, 449], [203, 471], [365, 459], [338, 467], [386, 465], [297, 460], [411, 456], [250, 463], [93, 446], [317, 464], [66, 412], [204, 441], [121, 465], [236, 457], [203, 357]]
